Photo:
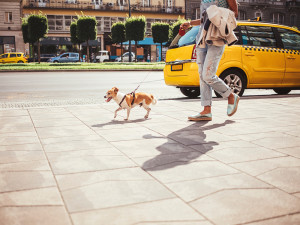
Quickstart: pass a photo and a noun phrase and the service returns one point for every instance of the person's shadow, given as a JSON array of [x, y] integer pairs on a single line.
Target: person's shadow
[[183, 146]]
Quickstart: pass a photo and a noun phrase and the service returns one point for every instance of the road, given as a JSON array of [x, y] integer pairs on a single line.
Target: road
[[65, 88]]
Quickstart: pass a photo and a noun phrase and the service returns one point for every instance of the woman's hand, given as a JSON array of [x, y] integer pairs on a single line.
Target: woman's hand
[[185, 25]]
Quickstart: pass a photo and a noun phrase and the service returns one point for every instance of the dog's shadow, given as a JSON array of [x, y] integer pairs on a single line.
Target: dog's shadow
[[120, 122], [184, 146]]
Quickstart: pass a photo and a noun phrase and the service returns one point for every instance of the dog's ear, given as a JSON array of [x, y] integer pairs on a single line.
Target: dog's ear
[[115, 89]]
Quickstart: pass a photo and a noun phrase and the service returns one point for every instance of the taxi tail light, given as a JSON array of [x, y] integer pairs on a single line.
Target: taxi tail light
[[194, 55]]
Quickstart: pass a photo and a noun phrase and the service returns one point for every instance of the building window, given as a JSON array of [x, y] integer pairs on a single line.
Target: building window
[[242, 15], [8, 17], [293, 20], [278, 18], [169, 3]]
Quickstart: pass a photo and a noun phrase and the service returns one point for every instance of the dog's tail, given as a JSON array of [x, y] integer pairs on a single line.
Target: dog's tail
[[154, 100]]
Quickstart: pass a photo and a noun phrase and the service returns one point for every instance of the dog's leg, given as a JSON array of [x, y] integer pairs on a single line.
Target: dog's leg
[[117, 111], [148, 110], [128, 112]]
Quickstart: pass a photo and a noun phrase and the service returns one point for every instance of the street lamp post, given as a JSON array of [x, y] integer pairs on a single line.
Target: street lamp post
[[129, 40]]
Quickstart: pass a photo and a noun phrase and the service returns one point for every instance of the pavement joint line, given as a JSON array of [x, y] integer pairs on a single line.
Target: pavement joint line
[[253, 160], [164, 221], [279, 167], [125, 205], [51, 169], [103, 181], [275, 217], [202, 178], [38, 188], [150, 173], [230, 189]]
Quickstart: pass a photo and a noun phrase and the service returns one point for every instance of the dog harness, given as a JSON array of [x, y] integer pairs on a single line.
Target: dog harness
[[133, 95]]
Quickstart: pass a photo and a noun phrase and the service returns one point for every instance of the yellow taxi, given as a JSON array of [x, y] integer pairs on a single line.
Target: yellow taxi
[[265, 56], [13, 57]]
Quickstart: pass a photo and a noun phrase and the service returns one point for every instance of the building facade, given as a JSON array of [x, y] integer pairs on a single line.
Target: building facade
[[11, 39], [286, 12], [61, 13]]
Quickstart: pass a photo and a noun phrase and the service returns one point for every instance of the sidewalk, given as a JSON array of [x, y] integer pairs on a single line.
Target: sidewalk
[[75, 165]]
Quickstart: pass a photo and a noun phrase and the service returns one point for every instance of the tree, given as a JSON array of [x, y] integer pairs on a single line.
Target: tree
[[73, 34], [37, 29], [174, 28], [135, 30], [26, 38], [86, 30], [118, 35], [160, 34]]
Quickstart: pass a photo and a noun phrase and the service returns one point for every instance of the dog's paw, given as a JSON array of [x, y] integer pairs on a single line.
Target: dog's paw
[[126, 119], [146, 117]]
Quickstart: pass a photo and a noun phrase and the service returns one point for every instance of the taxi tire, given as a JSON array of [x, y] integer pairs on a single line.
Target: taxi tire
[[282, 91], [237, 74], [20, 61], [190, 92]]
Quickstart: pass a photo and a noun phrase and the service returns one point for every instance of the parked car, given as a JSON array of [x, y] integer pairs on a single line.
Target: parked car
[[13, 57], [126, 57], [265, 56], [66, 57], [44, 58], [102, 56]]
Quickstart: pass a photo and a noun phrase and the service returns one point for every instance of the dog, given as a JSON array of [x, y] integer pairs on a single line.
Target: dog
[[128, 101]]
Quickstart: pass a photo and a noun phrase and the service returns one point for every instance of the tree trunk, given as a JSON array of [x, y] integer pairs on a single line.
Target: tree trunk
[[161, 57], [88, 51], [135, 51], [121, 51], [32, 47], [79, 51], [39, 51]]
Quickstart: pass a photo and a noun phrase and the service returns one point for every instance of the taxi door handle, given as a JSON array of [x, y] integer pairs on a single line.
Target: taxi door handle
[[291, 57], [249, 54]]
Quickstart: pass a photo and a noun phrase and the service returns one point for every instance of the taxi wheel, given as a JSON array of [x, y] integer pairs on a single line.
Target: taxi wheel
[[235, 80], [282, 91], [20, 61], [191, 92]]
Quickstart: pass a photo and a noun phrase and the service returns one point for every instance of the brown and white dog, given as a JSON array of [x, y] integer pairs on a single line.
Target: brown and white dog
[[128, 101]]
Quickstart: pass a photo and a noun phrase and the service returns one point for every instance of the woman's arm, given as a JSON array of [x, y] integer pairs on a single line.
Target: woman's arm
[[186, 25]]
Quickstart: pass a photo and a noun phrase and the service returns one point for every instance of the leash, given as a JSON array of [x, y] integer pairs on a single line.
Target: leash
[[133, 93]]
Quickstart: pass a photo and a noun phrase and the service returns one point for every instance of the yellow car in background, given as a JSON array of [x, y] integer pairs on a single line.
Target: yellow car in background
[[13, 57], [265, 56]]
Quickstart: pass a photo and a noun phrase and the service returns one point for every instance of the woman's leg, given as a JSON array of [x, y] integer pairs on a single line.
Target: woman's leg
[[211, 63]]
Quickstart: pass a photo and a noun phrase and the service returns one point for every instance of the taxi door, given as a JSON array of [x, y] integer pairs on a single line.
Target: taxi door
[[291, 43], [4, 58], [262, 60]]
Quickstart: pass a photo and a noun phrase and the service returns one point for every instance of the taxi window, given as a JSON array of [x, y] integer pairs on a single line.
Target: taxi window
[[258, 36], [19, 55], [290, 39], [13, 55], [4, 56]]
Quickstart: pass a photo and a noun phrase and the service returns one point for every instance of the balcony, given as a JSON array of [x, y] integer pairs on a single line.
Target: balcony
[[77, 5]]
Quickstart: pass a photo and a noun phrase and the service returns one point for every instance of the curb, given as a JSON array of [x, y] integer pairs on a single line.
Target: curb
[[67, 70]]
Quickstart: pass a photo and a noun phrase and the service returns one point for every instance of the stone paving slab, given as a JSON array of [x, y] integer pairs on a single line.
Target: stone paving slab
[[76, 165]]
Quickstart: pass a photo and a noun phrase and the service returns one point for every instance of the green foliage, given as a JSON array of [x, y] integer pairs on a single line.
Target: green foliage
[[73, 33], [37, 26], [86, 28], [135, 28], [174, 28], [118, 32], [25, 32], [160, 32]]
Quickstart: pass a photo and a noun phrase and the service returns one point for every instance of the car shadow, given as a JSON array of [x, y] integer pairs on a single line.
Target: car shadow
[[179, 150]]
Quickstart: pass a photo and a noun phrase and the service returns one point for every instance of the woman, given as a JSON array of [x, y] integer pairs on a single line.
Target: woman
[[208, 59]]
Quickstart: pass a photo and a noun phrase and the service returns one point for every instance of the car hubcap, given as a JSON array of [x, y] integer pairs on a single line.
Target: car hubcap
[[234, 82]]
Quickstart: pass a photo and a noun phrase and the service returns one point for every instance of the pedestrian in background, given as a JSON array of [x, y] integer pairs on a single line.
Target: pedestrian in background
[[208, 58]]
